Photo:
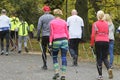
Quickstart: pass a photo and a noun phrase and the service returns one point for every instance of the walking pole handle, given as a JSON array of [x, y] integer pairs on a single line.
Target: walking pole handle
[[93, 52]]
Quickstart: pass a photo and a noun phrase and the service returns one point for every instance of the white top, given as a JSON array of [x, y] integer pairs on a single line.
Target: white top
[[4, 23], [75, 24]]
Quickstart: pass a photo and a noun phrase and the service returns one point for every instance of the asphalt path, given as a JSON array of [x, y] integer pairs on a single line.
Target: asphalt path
[[28, 67]]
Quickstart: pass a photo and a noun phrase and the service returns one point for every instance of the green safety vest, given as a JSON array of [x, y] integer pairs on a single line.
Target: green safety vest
[[14, 22], [31, 28], [23, 29]]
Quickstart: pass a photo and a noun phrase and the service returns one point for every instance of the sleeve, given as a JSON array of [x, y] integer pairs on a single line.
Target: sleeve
[[9, 22], [93, 35], [51, 33], [39, 27], [82, 23], [66, 31], [113, 28]]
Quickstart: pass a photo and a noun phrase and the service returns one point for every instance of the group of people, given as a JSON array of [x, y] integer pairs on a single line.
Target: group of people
[[103, 37], [14, 30], [60, 35]]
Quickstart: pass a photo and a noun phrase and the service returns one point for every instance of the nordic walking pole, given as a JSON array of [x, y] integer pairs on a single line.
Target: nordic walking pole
[[93, 53], [42, 52], [85, 50], [76, 71], [50, 51], [30, 44], [12, 42], [95, 57], [16, 41]]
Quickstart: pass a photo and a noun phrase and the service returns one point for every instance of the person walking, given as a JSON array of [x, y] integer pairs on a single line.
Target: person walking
[[4, 31], [75, 25], [31, 30], [100, 36], [59, 41], [111, 38], [22, 35], [13, 31], [43, 24]]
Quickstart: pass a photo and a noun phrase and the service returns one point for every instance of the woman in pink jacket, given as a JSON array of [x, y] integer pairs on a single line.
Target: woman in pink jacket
[[59, 41], [100, 32]]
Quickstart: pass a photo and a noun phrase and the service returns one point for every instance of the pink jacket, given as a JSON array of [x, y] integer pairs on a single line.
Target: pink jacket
[[100, 32], [58, 29]]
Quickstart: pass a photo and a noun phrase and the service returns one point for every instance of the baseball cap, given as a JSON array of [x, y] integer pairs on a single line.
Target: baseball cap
[[46, 8]]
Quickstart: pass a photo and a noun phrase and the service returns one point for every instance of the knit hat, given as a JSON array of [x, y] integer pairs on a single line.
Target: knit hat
[[46, 8]]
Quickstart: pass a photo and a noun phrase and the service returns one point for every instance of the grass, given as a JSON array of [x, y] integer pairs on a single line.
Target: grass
[[85, 53]]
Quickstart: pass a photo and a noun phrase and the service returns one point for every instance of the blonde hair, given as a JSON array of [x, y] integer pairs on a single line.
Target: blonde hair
[[100, 15], [57, 12], [107, 18]]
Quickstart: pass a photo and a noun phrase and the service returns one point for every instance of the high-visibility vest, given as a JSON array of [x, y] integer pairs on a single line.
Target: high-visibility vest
[[31, 27], [23, 29], [14, 22]]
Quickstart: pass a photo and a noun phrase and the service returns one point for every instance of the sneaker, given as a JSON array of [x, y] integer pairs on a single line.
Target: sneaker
[[56, 76], [6, 53], [110, 73], [44, 67], [26, 49], [19, 52], [2, 52], [62, 78], [111, 67], [100, 77]]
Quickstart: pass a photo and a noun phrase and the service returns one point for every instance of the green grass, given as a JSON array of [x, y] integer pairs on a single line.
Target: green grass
[[85, 53]]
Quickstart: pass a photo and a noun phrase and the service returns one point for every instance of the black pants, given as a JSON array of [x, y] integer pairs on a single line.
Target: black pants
[[4, 34], [101, 49], [45, 43], [31, 34], [73, 48], [14, 36]]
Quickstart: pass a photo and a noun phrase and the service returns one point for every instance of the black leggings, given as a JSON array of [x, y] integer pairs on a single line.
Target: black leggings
[[101, 49], [73, 48], [4, 34], [45, 43]]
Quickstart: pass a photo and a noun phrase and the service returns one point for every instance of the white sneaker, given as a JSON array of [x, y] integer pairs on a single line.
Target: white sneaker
[[100, 77], [6, 53], [2, 52]]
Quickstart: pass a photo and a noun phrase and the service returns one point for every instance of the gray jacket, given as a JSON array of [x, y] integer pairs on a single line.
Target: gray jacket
[[111, 31], [43, 24]]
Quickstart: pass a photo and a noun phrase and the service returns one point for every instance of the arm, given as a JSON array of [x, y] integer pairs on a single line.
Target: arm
[[82, 27], [92, 36], [39, 27], [66, 31], [51, 33]]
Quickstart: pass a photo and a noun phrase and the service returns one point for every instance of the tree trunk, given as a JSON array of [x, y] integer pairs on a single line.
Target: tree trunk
[[82, 8]]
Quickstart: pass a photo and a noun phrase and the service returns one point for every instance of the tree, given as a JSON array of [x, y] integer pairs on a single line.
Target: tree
[[82, 8], [28, 9], [54, 3]]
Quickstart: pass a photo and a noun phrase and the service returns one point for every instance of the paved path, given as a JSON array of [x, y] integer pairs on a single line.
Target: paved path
[[28, 67]]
